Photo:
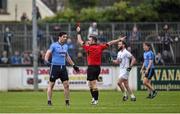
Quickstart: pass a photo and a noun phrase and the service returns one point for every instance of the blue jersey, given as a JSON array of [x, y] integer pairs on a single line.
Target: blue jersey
[[59, 53], [148, 55]]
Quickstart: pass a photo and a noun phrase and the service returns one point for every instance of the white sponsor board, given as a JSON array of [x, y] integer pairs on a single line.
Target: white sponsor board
[[76, 80]]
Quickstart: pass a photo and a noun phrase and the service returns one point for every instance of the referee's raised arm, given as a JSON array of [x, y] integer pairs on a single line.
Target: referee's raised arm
[[80, 41], [116, 41]]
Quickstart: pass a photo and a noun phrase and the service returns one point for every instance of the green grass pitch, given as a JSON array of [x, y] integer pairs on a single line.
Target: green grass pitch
[[109, 102]]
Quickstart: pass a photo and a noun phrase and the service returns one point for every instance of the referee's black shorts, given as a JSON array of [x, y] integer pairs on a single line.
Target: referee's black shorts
[[58, 71], [93, 72]]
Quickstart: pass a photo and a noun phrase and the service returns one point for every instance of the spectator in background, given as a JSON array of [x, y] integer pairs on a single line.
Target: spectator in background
[[158, 59], [4, 58], [16, 58], [166, 57], [26, 59], [93, 29], [113, 53], [7, 40], [102, 38], [80, 59], [38, 14], [135, 35], [24, 17], [40, 38], [41, 57], [71, 48], [166, 38]]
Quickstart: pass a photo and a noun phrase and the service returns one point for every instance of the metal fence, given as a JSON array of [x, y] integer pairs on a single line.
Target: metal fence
[[21, 38]]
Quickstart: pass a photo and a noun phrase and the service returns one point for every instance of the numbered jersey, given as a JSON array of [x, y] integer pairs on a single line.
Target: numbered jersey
[[59, 52]]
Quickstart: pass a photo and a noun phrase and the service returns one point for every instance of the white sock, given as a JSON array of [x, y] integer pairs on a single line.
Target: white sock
[[125, 94], [132, 96]]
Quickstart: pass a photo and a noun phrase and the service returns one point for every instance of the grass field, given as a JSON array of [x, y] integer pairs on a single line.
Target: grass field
[[110, 101]]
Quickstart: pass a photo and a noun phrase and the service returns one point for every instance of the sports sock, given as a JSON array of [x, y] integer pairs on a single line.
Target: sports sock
[[91, 90], [96, 95], [67, 102], [132, 96], [125, 94]]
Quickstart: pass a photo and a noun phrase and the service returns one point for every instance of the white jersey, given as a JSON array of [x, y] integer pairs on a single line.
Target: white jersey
[[124, 57]]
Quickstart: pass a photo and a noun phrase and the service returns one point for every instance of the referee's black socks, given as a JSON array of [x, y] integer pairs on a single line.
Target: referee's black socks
[[91, 90], [95, 94]]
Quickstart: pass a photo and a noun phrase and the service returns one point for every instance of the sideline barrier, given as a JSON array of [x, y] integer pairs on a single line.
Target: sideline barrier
[[166, 78], [21, 78], [3, 79]]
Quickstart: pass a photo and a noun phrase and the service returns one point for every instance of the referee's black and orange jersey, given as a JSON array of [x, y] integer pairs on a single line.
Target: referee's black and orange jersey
[[94, 53]]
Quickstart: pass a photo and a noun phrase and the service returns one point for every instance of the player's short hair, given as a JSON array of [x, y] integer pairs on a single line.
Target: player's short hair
[[94, 37], [124, 43], [62, 33]]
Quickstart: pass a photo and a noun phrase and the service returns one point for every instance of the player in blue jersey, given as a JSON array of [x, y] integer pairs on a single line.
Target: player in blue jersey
[[148, 69], [58, 52]]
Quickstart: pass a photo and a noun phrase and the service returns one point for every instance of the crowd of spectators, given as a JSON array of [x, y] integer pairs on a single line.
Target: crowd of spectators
[[163, 55]]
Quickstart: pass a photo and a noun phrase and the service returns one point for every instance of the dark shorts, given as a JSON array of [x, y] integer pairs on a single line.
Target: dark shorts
[[93, 72], [150, 73], [58, 71]]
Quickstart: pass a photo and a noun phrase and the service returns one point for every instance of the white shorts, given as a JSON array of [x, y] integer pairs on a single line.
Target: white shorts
[[124, 74]]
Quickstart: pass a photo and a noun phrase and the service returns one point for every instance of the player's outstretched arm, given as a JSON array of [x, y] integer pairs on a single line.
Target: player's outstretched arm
[[116, 41], [80, 41]]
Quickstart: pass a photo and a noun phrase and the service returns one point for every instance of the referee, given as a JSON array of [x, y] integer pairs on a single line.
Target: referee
[[58, 51], [94, 54]]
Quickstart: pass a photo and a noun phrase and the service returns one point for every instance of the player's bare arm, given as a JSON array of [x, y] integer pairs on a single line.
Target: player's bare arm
[[116, 41], [141, 71], [69, 60], [80, 41], [133, 61], [47, 55]]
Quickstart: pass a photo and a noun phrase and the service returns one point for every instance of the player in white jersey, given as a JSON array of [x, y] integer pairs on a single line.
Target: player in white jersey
[[125, 60]]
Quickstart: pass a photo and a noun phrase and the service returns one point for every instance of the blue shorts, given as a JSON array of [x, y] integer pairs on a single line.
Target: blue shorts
[[150, 73], [58, 71]]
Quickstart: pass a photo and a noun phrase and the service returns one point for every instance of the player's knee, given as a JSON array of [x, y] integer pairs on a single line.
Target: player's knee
[[66, 85], [119, 83], [95, 89], [145, 82]]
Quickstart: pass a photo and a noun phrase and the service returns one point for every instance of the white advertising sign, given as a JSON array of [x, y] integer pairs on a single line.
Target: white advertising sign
[[76, 80]]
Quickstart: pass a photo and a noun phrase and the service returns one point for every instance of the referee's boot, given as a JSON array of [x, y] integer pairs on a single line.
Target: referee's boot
[[92, 100], [125, 98], [67, 103], [95, 102], [49, 103]]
